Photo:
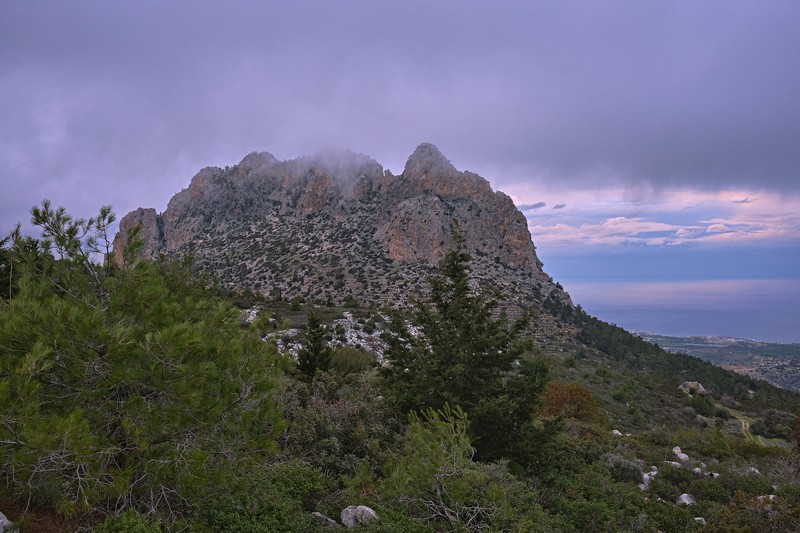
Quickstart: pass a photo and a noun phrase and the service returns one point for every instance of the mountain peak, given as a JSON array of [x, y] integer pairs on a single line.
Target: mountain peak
[[427, 159], [257, 161], [334, 225]]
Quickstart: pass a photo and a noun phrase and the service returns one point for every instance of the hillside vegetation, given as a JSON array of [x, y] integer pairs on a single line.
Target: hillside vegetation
[[136, 396], [776, 363]]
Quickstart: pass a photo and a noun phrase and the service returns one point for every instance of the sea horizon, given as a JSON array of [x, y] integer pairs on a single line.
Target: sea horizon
[[759, 310]]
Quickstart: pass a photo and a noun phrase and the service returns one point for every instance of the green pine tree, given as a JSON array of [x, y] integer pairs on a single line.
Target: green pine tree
[[6, 270], [315, 352], [468, 356], [124, 387]]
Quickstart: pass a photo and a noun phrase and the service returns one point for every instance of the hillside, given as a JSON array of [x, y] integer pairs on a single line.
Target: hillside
[[776, 363], [336, 229], [171, 395]]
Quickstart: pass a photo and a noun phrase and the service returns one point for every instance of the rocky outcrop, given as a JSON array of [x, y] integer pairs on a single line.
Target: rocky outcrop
[[690, 387], [337, 225], [151, 231]]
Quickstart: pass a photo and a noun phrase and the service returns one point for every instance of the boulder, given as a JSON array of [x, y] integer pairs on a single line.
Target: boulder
[[325, 521], [700, 520], [6, 526], [690, 387], [358, 515], [679, 454], [647, 477], [685, 499]]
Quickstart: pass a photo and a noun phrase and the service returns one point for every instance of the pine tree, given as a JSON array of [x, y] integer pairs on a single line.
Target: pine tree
[[315, 353], [124, 387], [468, 356], [6, 270]]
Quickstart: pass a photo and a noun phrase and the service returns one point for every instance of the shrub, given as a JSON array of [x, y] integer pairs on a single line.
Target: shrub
[[277, 502], [350, 360], [436, 480], [623, 469], [671, 482], [709, 489], [574, 400], [669, 517], [131, 522], [747, 484]]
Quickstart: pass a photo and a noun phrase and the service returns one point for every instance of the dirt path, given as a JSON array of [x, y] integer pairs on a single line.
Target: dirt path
[[745, 426]]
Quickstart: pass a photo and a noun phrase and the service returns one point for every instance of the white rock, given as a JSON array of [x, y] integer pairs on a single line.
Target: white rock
[[673, 463], [697, 470], [647, 477], [688, 386], [682, 456], [753, 470], [685, 499], [700, 520], [324, 521], [6, 526], [357, 515], [616, 433]]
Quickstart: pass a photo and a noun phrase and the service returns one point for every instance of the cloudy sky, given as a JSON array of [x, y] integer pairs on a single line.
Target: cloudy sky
[[653, 146]]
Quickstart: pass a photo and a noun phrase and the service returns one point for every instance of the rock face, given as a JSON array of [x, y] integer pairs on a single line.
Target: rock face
[[336, 225]]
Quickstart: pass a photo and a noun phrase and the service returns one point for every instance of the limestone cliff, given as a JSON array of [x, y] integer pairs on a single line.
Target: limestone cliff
[[337, 225]]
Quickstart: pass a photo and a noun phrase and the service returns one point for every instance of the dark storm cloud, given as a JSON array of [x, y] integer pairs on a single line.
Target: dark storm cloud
[[121, 102]]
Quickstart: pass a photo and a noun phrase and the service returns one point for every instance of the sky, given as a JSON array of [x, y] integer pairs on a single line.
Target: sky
[[654, 147]]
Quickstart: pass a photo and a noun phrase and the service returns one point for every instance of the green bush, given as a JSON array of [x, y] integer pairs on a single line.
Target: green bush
[[623, 469], [280, 501], [710, 489], [349, 360], [703, 404], [130, 522], [435, 479], [748, 485], [589, 500], [671, 482], [666, 516]]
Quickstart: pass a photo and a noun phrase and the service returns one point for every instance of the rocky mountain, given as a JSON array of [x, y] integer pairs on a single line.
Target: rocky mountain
[[337, 226]]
